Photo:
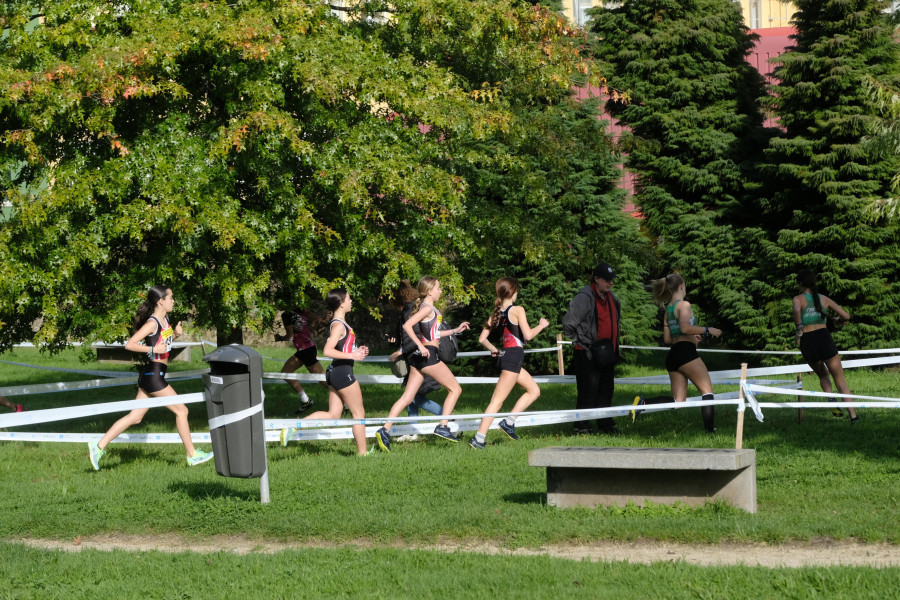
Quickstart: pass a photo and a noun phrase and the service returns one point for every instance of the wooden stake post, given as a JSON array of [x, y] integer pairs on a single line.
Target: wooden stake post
[[739, 436], [559, 353]]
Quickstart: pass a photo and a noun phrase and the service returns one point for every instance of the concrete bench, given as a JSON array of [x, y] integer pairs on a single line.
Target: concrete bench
[[116, 353], [592, 476]]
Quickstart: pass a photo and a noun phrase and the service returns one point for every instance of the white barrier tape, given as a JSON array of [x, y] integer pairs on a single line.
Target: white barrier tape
[[894, 404], [387, 358], [64, 370], [67, 386], [754, 404], [230, 418], [575, 414], [33, 417], [739, 351], [803, 368], [771, 390], [319, 428], [126, 438]]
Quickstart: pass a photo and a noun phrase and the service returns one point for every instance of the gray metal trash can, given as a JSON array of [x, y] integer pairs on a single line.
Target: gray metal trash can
[[233, 385]]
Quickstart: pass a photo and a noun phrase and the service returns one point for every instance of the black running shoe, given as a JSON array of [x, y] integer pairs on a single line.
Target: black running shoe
[[509, 430], [384, 439], [444, 432]]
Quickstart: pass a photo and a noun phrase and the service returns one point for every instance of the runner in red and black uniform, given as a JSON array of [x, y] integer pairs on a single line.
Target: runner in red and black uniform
[[513, 324], [153, 337], [296, 326]]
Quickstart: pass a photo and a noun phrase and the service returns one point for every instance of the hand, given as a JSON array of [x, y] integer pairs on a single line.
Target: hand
[[715, 332], [161, 347], [461, 327], [698, 338], [394, 357], [178, 329], [543, 323], [360, 353], [424, 352], [495, 353]]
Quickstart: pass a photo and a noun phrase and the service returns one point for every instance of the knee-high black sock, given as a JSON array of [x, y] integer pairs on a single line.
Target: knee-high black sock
[[709, 414]]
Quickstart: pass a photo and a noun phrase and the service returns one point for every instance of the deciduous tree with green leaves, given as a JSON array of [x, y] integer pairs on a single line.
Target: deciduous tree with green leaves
[[245, 153]]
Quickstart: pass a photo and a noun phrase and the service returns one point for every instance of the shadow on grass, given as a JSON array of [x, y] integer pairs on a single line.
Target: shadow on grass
[[206, 491], [539, 498]]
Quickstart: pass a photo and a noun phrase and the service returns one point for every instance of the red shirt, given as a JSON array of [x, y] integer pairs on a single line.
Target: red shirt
[[607, 326]]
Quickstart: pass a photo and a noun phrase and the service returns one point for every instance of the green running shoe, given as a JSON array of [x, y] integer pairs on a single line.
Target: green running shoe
[[96, 453], [199, 457], [286, 435]]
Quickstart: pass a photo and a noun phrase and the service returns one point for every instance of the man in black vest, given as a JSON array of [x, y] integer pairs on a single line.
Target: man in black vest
[[594, 326]]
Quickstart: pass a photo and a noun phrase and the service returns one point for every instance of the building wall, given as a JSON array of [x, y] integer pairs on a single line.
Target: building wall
[[759, 14]]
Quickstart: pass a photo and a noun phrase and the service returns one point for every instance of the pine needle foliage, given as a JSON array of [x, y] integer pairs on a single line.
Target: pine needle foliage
[[694, 131], [824, 175]]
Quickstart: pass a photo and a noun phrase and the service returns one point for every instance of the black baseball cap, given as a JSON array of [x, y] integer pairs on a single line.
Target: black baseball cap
[[604, 271]]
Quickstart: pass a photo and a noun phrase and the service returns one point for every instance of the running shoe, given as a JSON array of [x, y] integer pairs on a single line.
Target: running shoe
[[199, 457], [96, 453], [384, 439], [638, 401], [286, 435], [854, 420], [508, 429], [835, 410], [476, 444], [443, 431], [20, 408], [305, 405]]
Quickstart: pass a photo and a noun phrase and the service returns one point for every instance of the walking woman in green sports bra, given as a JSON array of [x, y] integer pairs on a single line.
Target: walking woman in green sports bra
[[682, 362], [816, 345]]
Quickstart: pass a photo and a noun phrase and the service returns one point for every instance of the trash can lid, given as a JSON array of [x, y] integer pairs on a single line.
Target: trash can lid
[[234, 353]]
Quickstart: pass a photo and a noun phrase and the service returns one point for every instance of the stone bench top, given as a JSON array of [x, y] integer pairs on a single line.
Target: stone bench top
[[687, 459]]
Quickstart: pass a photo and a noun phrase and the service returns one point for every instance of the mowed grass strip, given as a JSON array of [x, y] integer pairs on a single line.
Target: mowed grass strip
[[394, 573]]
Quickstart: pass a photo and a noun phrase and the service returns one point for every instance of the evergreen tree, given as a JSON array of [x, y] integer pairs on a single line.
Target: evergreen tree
[[826, 174], [694, 130]]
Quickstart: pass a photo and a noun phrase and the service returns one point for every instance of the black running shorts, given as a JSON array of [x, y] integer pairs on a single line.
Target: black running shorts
[[817, 345], [153, 377], [510, 359], [680, 354], [307, 356], [419, 362], [340, 376]]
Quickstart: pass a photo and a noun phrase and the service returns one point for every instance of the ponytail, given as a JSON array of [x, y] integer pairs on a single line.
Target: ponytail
[[807, 279], [423, 287], [665, 288], [506, 288], [145, 310]]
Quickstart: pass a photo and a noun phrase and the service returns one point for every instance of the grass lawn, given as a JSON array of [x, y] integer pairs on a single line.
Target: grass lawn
[[817, 479]]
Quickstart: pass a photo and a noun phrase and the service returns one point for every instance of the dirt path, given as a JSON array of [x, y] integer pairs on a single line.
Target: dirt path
[[814, 553]]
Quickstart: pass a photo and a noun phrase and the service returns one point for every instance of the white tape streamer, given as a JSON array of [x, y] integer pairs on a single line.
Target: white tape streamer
[[230, 418]]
